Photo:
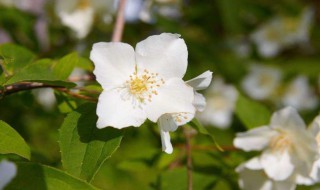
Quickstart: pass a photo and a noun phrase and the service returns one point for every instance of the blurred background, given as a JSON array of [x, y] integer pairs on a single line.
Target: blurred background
[[258, 50]]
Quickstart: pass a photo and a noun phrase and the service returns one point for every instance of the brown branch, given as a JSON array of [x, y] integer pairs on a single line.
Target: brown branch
[[120, 21], [187, 135], [23, 86], [76, 95]]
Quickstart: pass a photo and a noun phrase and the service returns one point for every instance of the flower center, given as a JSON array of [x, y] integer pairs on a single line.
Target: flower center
[[83, 4], [143, 86], [280, 142]]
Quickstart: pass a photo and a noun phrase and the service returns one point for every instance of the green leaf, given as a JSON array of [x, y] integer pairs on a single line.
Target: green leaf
[[84, 147], [177, 179], [201, 129], [39, 71], [32, 176], [11, 142], [251, 113], [14, 57], [65, 66]]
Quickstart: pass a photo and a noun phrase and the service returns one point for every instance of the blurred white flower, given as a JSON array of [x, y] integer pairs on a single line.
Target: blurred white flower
[[170, 121], [221, 99], [142, 83], [79, 15], [314, 129], [299, 94], [281, 32], [253, 177], [8, 170], [288, 148], [45, 97], [4, 37], [31, 6], [166, 8], [261, 82]]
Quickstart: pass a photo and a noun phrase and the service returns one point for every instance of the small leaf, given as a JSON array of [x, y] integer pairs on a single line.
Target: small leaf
[[38, 71], [251, 113], [65, 66], [84, 147], [14, 57], [197, 125], [11, 142], [32, 176]]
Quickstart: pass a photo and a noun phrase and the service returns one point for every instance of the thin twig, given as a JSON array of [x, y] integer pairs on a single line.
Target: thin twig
[[120, 20], [76, 95], [208, 148], [189, 158]]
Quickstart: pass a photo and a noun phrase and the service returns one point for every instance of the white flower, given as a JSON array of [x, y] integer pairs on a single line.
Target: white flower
[[170, 121], [141, 83], [8, 171], [78, 15], [261, 81], [45, 97], [253, 177], [300, 95], [288, 148], [281, 32], [314, 129], [221, 99]]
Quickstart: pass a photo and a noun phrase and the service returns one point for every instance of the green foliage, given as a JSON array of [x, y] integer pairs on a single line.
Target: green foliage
[[251, 113], [39, 71], [65, 66], [33, 176], [84, 147], [12, 142], [202, 130], [14, 57]]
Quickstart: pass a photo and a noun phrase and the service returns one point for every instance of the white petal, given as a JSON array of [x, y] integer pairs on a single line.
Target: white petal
[[277, 165], [167, 123], [254, 164], [253, 179], [287, 118], [254, 139], [116, 112], [173, 97], [80, 21], [165, 54], [165, 141], [199, 101], [288, 184], [201, 82], [8, 171], [114, 63]]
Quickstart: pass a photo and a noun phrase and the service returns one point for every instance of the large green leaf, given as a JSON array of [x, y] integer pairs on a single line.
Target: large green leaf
[[63, 68], [14, 57], [39, 71], [202, 130], [33, 176], [12, 142], [251, 113], [84, 147]]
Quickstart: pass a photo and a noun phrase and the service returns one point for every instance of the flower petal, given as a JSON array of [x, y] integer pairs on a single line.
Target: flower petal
[[287, 118], [165, 141], [80, 21], [114, 63], [116, 112], [167, 123], [8, 171], [165, 54], [173, 97], [255, 139], [201, 82], [199, 101], [277, 165]]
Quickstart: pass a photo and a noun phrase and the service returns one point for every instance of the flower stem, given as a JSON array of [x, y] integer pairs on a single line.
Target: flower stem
[[120, 21], [187, 134]]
